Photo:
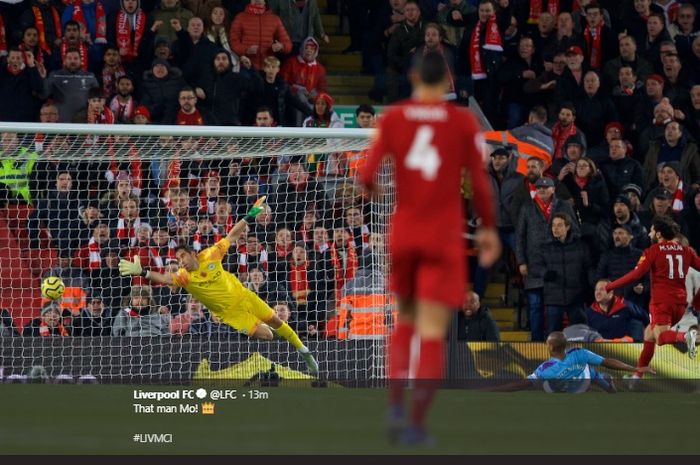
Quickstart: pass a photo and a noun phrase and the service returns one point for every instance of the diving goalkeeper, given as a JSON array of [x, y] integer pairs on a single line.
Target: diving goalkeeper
[[203, 276]]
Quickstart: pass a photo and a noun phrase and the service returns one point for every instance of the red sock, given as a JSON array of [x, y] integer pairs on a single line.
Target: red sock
[[671, 337], [646, 356], [399, 359], [431, 368]]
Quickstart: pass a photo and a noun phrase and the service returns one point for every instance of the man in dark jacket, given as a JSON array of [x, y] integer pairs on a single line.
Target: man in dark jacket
[[595, 110], [59, 212], [567, 272], [298, 194], [161, 86], [620, 169], [19, 86], [225, 89], [93, 320], [403, 42], [621, 259], [614, 317], [531, 234], [505, 181], [622, 215], [513, 75], [475, 323]]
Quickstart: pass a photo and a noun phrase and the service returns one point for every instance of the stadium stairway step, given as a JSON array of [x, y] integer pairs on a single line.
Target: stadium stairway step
[[515, 336]]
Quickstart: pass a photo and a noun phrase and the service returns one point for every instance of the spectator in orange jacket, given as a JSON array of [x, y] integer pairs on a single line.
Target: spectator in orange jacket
[[258, 33]]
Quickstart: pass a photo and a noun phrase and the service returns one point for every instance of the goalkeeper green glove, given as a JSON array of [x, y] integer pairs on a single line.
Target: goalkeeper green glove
[[127, 268], [255, 209]]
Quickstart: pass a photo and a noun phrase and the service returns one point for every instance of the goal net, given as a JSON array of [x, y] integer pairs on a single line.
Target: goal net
[[75, 199]]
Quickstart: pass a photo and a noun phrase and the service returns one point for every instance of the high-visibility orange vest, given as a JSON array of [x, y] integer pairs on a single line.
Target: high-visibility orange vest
[[365, 316], [74, 299], [524, 151]]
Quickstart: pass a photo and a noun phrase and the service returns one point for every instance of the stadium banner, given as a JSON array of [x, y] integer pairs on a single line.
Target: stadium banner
[[198, 359]]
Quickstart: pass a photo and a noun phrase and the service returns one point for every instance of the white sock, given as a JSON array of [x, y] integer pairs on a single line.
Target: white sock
[[304, 350]]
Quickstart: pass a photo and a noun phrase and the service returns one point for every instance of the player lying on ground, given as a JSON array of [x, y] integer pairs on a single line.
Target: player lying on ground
[[432, 144], [570, 370], [203, 276], [668, 261]]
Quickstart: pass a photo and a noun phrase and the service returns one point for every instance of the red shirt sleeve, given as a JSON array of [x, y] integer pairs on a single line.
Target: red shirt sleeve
[[642, 268], [481, 186]]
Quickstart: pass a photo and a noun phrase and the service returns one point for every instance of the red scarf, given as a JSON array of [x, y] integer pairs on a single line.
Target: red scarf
[[135, 168], [122, 113], [531, 188], [243, 259], [82, 48], [45, 331], [299, 282], [545, 207], [105, 117], [101, 21], [41, 27], [37, 52], [593, 42], [194, 119], [536, 10], [493, 42], [560, 134], [255, 9], [109, 80], [343, 274], [131, 313], [94, 255], [198, 243], [678, 197], [129, 49], [150, 258], [127, 231], [3, 40], [580, 182], [282, 253]]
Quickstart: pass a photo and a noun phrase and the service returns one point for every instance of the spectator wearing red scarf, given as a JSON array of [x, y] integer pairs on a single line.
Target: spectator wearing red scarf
[[601, 41], [49, 324], [97, 112], [47, 20], [564, 128], [129, 29], [18, 83]]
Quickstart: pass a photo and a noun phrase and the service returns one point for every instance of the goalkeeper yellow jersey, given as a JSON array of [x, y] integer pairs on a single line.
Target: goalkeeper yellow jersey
[[213, 286]]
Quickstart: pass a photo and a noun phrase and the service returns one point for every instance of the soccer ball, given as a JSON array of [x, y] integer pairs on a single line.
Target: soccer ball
[[52, 288]]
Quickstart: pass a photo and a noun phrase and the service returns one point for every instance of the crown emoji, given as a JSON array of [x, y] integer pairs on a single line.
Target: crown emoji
[[208, 408]]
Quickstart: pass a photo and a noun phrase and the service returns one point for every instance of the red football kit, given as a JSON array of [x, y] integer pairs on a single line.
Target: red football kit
[[668, 262], [430, 144]]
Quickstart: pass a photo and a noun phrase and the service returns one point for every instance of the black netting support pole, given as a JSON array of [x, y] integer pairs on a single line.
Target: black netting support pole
[[452, 352]]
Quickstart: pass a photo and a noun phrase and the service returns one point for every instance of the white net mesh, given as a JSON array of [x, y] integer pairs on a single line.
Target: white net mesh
[[76, 199]]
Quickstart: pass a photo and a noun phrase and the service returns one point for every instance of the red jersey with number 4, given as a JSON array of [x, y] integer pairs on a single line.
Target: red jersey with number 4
[[668, 262], [431, 144]]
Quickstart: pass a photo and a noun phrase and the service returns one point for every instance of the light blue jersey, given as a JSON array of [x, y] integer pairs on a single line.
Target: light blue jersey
[[572, 374]]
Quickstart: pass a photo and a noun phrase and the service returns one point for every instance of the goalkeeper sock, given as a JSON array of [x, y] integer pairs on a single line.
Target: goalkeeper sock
[[428, 379], [646, 356], [670, 337], [399, 360], [288, 333]]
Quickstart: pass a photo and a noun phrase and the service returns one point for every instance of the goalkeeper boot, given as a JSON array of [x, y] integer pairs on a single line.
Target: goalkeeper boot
[[691, 338], [395, 423], [311, 363]]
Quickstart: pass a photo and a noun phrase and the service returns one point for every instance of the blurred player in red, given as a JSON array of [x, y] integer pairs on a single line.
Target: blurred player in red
[[431, 143], [668, 261]]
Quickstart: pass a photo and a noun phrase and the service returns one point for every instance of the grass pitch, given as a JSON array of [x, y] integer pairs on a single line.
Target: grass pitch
[[100, 419]]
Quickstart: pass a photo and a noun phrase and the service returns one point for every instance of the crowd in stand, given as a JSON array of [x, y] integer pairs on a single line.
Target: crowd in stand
[[611, 87]]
